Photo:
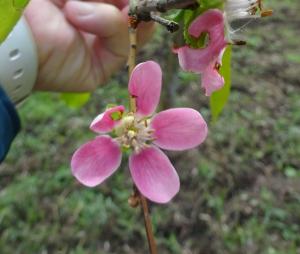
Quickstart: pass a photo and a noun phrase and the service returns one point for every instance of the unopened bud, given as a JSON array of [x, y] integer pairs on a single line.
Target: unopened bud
[[133, 201]]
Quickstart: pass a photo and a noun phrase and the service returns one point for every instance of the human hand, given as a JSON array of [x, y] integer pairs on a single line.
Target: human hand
[[80, 43]]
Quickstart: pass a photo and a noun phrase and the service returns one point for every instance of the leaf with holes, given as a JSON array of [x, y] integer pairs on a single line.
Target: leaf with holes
[[10, 13]]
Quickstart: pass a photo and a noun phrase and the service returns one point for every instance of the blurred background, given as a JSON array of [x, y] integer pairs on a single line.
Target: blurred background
[[240, 190]]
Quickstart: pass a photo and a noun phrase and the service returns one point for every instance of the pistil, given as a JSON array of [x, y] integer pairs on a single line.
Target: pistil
[[134, 133]]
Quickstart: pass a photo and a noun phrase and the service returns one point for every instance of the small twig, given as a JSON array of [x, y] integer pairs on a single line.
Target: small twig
[[170, 25], [147, 6], [148, 225], [138, 199], [143, 10], [133, 23]]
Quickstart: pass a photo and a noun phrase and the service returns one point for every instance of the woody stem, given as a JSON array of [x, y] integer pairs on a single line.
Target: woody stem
[[132, 61], [142, 7], [148, 225]]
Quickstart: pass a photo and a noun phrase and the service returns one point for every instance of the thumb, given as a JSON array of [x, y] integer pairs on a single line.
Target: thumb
[[101, 19]]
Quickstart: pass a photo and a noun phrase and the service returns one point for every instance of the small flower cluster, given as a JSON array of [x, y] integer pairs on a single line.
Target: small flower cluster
[[208, 60]]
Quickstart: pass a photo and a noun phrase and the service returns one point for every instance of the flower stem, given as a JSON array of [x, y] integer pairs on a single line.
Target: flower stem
[[142, 200], [132, 50], [132, 59], [148, 224]]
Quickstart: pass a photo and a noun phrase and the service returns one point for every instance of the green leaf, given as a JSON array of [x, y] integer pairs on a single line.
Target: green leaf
[[219, 98], [10, 13], [211, 4], [75, 100], [176, 15]]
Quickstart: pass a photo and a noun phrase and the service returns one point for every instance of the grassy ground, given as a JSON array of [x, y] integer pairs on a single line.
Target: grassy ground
[[240, 191]]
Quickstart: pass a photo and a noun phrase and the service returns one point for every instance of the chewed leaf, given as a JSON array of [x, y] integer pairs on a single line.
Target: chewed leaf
[[10, 13], [219, 98]]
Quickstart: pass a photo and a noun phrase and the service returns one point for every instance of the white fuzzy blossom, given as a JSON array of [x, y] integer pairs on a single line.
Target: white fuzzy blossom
[[242, 10]]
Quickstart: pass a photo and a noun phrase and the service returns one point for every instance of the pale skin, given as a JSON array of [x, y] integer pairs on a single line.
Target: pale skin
[[80, 44]]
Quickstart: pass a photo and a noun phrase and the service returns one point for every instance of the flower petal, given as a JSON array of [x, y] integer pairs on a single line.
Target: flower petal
[[179, 129], [212, 80], [212, 22], [145, 84], [106, 121], [194, 60], [96, 160], [154, 175]]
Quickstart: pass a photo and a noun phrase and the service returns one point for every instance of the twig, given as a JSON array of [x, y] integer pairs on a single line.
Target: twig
[[148, 225], [132, 57], [147, 6], [133, 44], [143, 10], [170, 25], [137, 197]]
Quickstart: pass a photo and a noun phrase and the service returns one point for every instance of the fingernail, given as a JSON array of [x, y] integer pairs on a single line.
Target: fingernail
[[81, 9]]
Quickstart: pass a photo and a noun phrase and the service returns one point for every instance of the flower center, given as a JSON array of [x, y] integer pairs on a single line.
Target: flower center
[[134, 133]]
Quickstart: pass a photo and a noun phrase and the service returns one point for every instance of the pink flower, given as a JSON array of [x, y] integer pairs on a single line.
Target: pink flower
[[206, 61], [143, 133]]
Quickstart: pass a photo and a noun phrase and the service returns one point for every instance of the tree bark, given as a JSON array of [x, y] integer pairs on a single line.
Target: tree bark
[[142, 8]]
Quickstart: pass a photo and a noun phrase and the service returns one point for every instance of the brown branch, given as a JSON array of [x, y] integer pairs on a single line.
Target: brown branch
[[133, 23], [142, 10], [148, 224], [170, 25], [147, 6]]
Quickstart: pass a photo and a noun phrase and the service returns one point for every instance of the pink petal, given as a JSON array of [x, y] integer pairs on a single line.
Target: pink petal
[[154, 175], [145, 84], [179, 129], [194, 60], [212, 80], [105, 122], [211, 21], [96, 160]]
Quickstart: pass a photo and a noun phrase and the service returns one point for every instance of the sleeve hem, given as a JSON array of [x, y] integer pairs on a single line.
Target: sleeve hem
[[10, 124]]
